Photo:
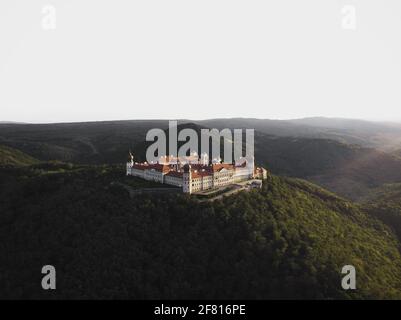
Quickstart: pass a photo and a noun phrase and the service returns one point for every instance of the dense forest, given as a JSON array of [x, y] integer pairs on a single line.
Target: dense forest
[[65, 201], [385, 204], [340, 155], [288, 240]]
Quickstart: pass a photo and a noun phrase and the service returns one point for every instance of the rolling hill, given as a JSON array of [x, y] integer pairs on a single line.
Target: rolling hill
[[13, 157], [91, 142], [384, 203], [381, 135], [348, 170], [297, 148], [289, 240], [104, 142]]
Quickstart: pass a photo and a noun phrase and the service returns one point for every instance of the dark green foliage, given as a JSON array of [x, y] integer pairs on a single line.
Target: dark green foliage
[[385, 204], [348, 170], [13, 157], [288, 240], [89, 143], [304, 149]]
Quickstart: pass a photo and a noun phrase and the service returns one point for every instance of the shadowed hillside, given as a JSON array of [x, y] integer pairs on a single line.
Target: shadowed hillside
[[299, 148], [380, 135], [10, 156], [289, 240], [385, 204], [104, 142], [349, 170], [90, 142]]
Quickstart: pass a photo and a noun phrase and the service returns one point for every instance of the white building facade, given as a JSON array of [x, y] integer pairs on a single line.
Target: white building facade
[[194, 176]]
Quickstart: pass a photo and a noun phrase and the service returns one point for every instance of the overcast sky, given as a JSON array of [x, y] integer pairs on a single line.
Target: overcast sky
[[104, 60]]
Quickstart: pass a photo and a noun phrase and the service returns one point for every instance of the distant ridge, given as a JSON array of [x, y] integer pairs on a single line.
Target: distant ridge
[[349, 157], [11, 122]]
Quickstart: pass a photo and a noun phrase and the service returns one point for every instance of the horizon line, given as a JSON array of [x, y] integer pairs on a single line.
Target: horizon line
[[204, 119]]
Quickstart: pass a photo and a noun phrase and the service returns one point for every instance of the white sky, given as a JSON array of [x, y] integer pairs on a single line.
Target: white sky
[[199, 59]]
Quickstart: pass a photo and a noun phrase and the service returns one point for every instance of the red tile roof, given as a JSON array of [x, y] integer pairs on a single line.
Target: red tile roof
[[174, 174], [200, 174], [220, 166], [242, 165], [156, 166], [198, 170]]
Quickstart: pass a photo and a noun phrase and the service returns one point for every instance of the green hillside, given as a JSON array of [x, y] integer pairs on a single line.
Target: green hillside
[[385, 204], [10, 156], [349, 170], [87, 143], [380, 135], [289, 240]]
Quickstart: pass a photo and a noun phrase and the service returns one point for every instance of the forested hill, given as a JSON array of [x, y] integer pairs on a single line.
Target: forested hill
[[289, 240], [13, 157], [351, 171], [323, 157], [385, 204]]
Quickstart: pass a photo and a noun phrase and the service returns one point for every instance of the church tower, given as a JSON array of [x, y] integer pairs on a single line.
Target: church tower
[[187, 179], [130, 163]]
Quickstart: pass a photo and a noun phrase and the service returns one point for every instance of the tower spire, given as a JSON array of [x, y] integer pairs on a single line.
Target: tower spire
[[130, 156]]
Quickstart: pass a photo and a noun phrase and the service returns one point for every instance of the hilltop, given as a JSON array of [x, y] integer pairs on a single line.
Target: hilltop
[[288, 240], [339, 157]]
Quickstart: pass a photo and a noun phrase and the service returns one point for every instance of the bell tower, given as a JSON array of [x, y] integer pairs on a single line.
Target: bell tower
[[130, 163], [187, 179]]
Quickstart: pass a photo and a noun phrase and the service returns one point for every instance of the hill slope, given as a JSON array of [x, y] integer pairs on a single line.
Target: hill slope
[[10, 156], [381, 135], [103, 142], [288, 240], [348, 170], [385, 204], [90, 142]]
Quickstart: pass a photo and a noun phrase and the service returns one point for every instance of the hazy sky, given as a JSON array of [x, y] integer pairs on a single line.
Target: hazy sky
[[199, 59]]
